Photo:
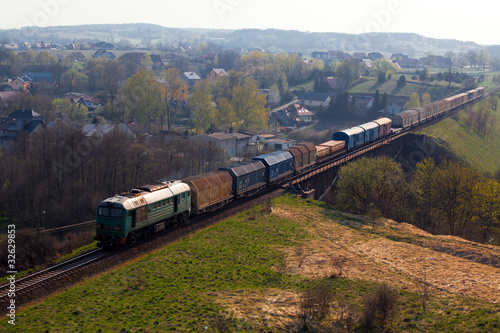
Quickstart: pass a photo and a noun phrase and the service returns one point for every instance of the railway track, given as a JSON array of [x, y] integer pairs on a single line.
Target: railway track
[[27, 284], [62, 275]]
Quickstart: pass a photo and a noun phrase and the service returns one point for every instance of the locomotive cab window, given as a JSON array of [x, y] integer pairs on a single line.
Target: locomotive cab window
[[115, 212], [103, 211]]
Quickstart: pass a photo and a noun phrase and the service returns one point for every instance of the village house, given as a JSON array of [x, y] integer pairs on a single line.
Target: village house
[[216, 73], [280, 144], [314, 99], [76, 57], [16, 123], [190, 78], [132, 129], [242, 141], [21, 83], [104, 54], [226, 142]]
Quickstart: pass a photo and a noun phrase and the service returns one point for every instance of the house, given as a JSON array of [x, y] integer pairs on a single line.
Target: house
[[17, 122], [367, 63], [299, 113], [103, 45], [375, 55], [280, 144], [410, 63], [334, 83], [280, 121], [242, 141], [132, 129], [104, 54], [157, 62], [191, 78], [76, 57], [319, 55], [226, 142], [97, 130], [21, 83], [338, 55], [314, 99], [41, 83], [216, 73]]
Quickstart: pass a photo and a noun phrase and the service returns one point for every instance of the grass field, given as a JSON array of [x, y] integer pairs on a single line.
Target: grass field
[[226, 275], [436, 90], [482, 153]]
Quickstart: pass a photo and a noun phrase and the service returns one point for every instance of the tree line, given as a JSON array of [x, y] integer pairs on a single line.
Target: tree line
[[444, 199], [66, 174]]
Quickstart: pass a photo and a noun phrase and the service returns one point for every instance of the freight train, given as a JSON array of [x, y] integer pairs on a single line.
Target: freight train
[[149, 209]]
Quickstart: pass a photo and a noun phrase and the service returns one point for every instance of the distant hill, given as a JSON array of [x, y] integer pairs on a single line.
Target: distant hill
[[246, 39]]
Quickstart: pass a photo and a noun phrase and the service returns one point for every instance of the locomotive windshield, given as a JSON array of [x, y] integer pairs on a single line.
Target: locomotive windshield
[[113, 212]]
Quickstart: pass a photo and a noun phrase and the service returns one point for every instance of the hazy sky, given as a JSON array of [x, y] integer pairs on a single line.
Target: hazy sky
[[476, 21]]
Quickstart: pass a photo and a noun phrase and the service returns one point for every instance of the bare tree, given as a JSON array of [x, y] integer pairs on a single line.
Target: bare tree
[[424, 292], [339, 266], [282, 264], [174, 91], [111, 80]]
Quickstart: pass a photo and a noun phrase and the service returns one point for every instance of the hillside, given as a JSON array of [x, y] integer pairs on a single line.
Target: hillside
[[226, 277], [437, 90], [270, 39], [481, 152]]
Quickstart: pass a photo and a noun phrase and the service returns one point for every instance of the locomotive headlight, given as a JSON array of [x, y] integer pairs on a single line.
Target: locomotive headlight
[[118, 228]]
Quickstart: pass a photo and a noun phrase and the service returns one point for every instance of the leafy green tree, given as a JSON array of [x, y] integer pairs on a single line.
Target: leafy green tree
[[370, 181], [73, 80], [200, 103], [414, 102], [74, 111], [488, 207], [226, 117], [424, 75], [426, 99], [402, 81], [249, 106], [141, 98]]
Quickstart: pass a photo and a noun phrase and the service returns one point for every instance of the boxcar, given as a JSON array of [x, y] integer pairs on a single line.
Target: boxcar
[[384, 127], [406, 119], [279, 165], [210, 190], [248, 177], [371, 131], [310, 157], [480, 91], [353, 137], [145, 209], [298, 153]]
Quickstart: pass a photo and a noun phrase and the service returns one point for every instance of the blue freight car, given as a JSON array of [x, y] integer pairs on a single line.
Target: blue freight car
[[279, 165], [371, 131], [353, 137], [248, 177]]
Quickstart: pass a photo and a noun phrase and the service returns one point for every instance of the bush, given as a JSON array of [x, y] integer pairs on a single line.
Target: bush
[[379, 307]]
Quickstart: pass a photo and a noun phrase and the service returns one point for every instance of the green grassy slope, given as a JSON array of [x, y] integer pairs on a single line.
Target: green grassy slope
[[437, 89], [483, 153], [226, 275]]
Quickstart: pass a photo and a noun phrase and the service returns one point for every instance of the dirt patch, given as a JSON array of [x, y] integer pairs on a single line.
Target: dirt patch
[[450, 264]]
